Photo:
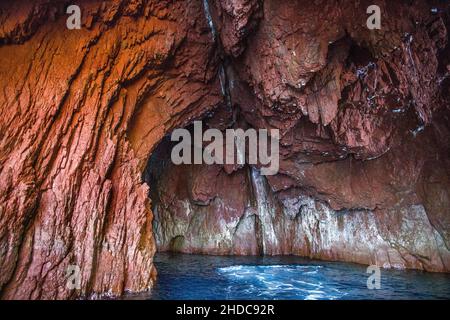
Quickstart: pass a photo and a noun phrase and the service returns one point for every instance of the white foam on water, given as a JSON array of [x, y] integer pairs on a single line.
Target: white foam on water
[[275, 281]]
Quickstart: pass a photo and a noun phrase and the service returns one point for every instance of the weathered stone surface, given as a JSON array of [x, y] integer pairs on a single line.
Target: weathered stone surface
[[249, 218], [364, 143], [81, 111], [364, 117]]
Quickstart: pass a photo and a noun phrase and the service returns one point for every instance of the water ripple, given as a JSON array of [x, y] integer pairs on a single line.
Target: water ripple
[[269, 281], [284, 277]]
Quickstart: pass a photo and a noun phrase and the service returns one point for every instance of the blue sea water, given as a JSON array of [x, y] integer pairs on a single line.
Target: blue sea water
[[182, 276]]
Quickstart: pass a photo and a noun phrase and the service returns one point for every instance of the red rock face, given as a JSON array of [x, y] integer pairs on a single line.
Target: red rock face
[[364, 118], [81, 112]]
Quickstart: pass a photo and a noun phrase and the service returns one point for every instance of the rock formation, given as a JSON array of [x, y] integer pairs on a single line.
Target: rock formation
[[84, 151]]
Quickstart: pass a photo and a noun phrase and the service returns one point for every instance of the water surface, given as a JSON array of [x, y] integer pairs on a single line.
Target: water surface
[[182, 276]]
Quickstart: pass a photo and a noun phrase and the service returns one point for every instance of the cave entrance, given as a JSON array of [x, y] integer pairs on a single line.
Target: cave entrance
[[209, 209]]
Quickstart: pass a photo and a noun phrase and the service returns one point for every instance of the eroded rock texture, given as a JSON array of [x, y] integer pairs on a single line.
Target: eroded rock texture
[[364, 117], [81, 111], [364, 122]]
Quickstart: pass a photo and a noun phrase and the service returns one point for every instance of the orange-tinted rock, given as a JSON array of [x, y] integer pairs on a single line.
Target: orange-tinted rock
[[81, 111], [364, 117]]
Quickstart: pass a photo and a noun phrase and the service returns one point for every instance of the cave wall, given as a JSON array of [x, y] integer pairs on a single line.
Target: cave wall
[[364, 151], [81, 111], [363, 114], [203, 210]]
